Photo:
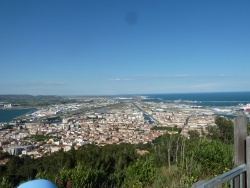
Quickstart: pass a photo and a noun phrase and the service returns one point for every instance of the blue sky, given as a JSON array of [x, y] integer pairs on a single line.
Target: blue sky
[[107, 47]]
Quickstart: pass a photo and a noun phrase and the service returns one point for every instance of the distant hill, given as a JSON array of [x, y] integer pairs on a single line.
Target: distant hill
[[31, 100]]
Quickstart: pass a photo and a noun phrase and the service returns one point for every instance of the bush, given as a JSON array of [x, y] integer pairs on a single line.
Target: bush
[[140, 174]]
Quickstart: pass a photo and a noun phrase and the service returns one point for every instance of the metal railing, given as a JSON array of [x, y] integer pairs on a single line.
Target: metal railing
[[228, 176], [238, 177]]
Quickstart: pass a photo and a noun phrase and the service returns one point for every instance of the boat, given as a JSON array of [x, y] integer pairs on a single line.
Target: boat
[[246, 107]]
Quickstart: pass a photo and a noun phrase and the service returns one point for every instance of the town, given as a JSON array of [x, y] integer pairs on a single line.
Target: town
[[100, 121]]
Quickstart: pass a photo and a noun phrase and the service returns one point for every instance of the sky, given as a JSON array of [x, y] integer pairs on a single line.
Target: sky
[[111, 47]]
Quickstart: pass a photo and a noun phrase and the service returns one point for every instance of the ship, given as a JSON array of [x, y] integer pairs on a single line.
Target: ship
[[246, 107]]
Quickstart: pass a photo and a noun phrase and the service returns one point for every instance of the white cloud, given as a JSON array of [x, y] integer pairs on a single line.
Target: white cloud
[[53, 83], [121, 79], [163, 76], [181, 76], [32, 84], [203, 87]]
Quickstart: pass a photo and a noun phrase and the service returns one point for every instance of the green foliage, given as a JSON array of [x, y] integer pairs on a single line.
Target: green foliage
[[43, 175], [29, 100], [248, 129], [168, 149], [41, 137], [4, 155], [140, 174], [80, 177], [4, 183], [224, 130], [171, 161], [77, 177], [213, 155], [167, 128], [182, 175], [194, 135]]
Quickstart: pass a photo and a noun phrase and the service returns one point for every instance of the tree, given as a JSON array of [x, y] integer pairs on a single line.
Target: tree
[[194, 135], [224, 130], [141, 173], [213, 155]]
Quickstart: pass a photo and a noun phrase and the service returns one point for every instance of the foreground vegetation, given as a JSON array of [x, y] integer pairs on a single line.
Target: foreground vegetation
[[170, 161]]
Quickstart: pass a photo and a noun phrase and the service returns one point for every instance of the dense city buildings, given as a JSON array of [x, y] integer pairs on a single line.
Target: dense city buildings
[[100, 121]]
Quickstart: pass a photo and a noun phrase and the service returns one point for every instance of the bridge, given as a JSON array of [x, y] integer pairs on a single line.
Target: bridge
[[239, 176]]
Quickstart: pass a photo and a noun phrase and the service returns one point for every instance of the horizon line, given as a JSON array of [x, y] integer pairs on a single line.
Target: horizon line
[[125, 94]]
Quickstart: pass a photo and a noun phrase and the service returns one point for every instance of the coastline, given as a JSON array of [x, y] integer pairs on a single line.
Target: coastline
[[18, 108], [9, 114]]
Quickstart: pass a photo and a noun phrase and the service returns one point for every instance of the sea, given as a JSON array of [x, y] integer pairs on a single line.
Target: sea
[[218, 99], [7, 115]]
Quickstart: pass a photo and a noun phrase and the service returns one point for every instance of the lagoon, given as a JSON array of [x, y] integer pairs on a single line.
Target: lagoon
[[7, 115]]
